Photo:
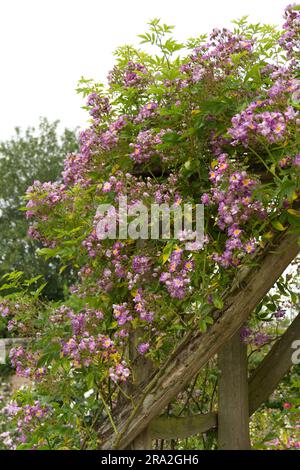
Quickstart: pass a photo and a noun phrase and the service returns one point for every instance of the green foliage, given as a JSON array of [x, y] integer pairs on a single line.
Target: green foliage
[[172, 127], [36, 154]]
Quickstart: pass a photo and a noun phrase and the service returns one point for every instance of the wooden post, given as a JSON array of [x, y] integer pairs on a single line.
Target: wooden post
[[197, 348], [143, 441], [142, 368], [233, 413], [261, 384]]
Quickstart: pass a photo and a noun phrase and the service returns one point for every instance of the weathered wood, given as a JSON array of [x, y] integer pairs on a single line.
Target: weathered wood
[[141, 368], [13, 342], [233, 405], [196, 349], [273, 368], [262, 383], [165, 427], [143, 441], [6, 344]]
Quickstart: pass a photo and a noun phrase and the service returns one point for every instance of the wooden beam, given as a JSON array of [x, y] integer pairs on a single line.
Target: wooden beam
[[273, 368], [262, 383], [196, 349], [233, 405], [165, 427]]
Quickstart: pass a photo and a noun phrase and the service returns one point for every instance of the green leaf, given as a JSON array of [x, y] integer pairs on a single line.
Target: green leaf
[[217, 301], [209, 320], [278, 225], [37, 292], [29, 282], [294, 212], [202, 326], [167, 252]]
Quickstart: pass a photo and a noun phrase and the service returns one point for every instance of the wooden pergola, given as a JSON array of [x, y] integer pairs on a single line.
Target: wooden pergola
[[238, 396]]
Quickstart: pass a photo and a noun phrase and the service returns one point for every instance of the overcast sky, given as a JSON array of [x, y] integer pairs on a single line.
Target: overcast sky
[[47, 45]]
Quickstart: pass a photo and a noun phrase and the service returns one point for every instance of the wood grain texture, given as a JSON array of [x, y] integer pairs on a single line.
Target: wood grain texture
[[273, 368], [197, 348], [233, 404], [165, 427], [262, 384]]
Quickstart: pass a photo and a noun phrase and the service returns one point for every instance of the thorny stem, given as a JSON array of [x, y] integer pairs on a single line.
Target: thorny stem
[[264, 163], [109, 414]]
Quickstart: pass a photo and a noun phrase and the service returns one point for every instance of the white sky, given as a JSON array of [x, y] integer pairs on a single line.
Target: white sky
[[47, 45]]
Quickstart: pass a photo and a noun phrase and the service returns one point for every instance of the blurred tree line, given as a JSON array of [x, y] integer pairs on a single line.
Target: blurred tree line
[[35, 154]]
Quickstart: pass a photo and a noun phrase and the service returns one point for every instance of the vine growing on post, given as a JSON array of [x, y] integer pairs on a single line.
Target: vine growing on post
[[212, 121]]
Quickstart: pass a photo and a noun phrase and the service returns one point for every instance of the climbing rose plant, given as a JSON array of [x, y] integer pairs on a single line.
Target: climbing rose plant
[[212, 121]]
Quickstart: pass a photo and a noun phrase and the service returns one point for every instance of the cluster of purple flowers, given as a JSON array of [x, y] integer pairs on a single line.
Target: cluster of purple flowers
[[232, 194], [255, 338], [8, 440], [75, 168], [269, 118], [289, 444], [93, 241], [146, 111], [15, 325], [115, 183], [138, 189], [177, 279], [99, 106], [284, 83], [105, 283], [143, 348], [134, 72], [92, 244], [4, 308], [122, 313], [145, 146], [290, 38], [118, 259], [109, 138], [141, 307], [214, 57], [223, 43], [119, 373], [84, 349], [193, 70], [141, 264], [60, 314], [297, 160], [31, 412], [43, 195], [28, 417], [133, 75], [78, 166], [80, 321], [280, 313], [269, 124], [26, 363], [35, 234]]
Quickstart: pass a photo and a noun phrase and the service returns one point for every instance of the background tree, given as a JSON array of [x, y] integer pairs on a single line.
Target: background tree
[[36, 154]]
